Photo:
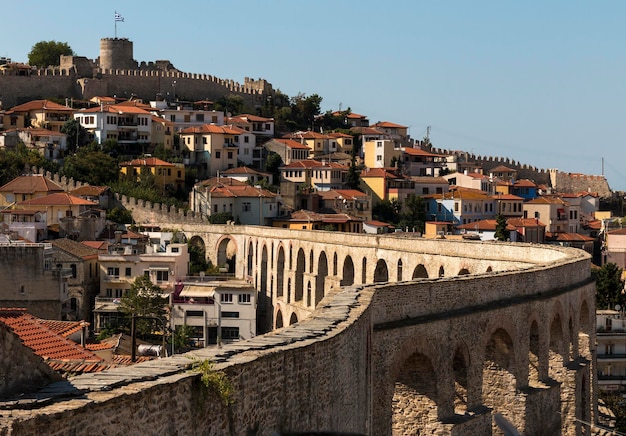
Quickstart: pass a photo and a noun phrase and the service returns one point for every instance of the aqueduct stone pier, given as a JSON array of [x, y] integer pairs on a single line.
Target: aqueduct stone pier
[[373, 335]]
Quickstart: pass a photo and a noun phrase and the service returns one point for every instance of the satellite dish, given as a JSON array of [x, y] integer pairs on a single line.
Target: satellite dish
[[618, 307]]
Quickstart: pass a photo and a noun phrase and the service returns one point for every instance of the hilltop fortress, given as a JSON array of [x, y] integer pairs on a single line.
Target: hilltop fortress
[[115, 72]]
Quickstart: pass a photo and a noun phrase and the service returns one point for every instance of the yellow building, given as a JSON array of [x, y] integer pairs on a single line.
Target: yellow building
[[307, 220], [381, 153], [24, 188], [166, 175], [42, 113]]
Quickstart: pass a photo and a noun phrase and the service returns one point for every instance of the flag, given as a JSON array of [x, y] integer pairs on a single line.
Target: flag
[[118, 17]]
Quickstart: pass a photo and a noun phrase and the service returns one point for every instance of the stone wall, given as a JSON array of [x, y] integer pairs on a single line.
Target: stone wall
[[338, 369]]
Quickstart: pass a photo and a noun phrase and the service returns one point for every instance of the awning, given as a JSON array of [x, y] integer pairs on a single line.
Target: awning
[[561, 211], [198, 291]]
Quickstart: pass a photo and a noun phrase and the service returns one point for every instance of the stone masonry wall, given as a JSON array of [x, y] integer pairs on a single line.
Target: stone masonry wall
[[335, 371]]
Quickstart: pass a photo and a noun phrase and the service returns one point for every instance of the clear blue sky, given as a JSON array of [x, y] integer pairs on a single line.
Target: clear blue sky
[[539, 82]]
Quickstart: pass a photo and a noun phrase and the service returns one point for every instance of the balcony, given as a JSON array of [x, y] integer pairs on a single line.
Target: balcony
[[117, 279]]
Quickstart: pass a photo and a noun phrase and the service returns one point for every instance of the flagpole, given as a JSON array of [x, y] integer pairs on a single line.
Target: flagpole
[[115, 19]]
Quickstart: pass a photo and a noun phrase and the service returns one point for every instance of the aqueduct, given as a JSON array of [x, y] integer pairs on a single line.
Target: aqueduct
[[374, 335]]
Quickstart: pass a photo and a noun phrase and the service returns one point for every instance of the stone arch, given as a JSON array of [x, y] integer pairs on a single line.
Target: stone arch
[[420, 272], [299, 284], [335, 264], [415, 396], [442, 272], [460, 366], [311, 262], [463, 272], [250, 256], [320, 279], [399, 270], [499, 382], [293, 318], [347, 277], [279, 319], [364, 270], [380, 273], [264, 268], [280, 272], [289, 290], [227, 253], [533, 354]]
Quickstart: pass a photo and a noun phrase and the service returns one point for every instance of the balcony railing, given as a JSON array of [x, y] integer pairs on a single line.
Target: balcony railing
[[612, 356], [620, 378]]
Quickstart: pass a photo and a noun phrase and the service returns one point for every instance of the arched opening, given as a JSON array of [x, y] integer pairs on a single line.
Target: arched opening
[[250, 256], [335, 264], [279, 319], [533, 355], [364, 271], [311, 262], [399, 270], [197, 255], [293, 319], [441, 271], [280, 272], [557, 348], [299, 284], [499, 378], [414, 403], [380, 273], [348, 272], [489, 269], [584, 327], [265, 304], [320, 279], [289, 290], [227, 254], [463, 272], [308, 293], [460, 365], [420, 272], [572, 347]]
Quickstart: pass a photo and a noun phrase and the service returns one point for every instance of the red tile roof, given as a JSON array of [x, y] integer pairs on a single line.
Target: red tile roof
[[344, 193], [388, 124], [525, 222], [214, 129], [31, 184], [147, 162], [35, 105], [89, 191], [419, 152], [64, 328], [290, 143], [42, 340], [58, 199], [250, 117], [484, 225], [311, 163]]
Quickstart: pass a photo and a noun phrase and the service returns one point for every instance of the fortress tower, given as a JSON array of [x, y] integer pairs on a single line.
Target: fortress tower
[[116, 53]]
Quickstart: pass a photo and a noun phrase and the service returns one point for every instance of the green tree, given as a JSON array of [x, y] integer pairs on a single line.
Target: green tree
[[144, 299], [233, 104], [120, 215], [182, 338], [609, 286], [46, 53], [221, 218], [76, 135], [304, 110], [19, 160], [413, 213], [387, 211], [197, 259], [353, 179], [501, 233], [91, 165], [272, 164]]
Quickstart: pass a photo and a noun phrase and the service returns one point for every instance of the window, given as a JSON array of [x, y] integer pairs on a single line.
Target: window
[[246, 206], [215, 208], [218, 154], [267, 126], [230, 314], [127, 272], [200, 117], [230, 155], [246, 139], [230, 333], [456, 206], [226, 298], [162, 276], [425, 191], [113, 271], [109, 293], [174, 249], [198, 313], [244, 298], [119, 293], [379, 158]]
